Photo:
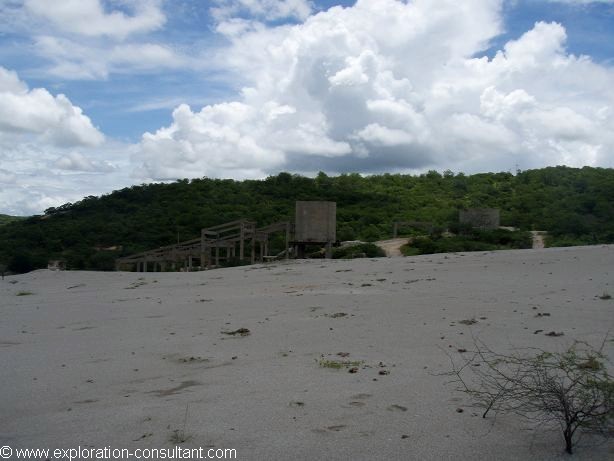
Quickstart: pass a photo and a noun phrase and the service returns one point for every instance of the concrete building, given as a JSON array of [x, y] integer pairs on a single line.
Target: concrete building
[[315, 224]]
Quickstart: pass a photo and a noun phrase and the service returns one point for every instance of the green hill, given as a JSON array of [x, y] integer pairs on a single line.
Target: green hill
[[574, 205], [5, 219]]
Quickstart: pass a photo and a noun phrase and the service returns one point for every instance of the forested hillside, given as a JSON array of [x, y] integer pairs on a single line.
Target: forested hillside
[[575, 205], [5, 219]]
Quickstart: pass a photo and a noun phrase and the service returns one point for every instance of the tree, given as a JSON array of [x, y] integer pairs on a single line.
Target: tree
[[572, 388]]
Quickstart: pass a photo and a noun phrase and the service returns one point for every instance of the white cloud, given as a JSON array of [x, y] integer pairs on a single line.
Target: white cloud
[[73, 60], [6, 178], [92, 39], [269, 10], [35, 176], [389, 85], [219, 130], [89, 18], [75, 161], [25, 113], [50, 152]]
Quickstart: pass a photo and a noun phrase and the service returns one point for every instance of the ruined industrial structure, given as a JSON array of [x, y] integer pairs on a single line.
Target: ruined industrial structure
[[315, 224]]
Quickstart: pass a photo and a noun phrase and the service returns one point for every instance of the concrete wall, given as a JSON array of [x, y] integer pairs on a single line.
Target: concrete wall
[[485, 218], [316, 222]]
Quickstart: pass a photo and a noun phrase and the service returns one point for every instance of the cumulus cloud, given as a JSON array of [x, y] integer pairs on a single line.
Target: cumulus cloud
[[90, 18], [35, 176], [390, 85], [37, 113], [50, 152]]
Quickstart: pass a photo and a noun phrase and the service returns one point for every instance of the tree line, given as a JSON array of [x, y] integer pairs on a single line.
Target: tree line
[[574, 205]]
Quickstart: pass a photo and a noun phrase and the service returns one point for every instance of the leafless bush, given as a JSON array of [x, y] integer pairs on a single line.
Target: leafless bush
[[572, 388]]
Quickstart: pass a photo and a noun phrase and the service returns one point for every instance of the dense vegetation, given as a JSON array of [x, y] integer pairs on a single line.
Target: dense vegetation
[[362, 250], [467, 239], [575, 205]]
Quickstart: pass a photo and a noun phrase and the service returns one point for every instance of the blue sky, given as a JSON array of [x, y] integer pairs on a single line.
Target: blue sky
[[100, 94]]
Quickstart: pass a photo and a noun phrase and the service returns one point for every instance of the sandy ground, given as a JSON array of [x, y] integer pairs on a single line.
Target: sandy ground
[[99, 359]]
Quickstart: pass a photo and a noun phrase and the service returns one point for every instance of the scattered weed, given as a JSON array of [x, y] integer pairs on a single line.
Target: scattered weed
[[468, 321], [240, 332], [179, 436], [136, 285], [336, 315], [339, 364]]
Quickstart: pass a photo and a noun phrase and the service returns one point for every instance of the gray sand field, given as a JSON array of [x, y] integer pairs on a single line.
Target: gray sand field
[[99, 359]]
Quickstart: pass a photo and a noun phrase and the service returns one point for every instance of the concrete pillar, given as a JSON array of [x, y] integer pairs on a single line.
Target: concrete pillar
[[242, 243], [253, 247], [209, 256], [217, 256], [329, 250], [287, 241], [190, 263]]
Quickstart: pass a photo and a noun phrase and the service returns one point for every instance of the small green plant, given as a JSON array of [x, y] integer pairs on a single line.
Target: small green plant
[[24, 293]]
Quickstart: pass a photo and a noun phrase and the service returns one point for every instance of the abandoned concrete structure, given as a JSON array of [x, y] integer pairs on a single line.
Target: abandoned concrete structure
[[484, 218], [315, 224]]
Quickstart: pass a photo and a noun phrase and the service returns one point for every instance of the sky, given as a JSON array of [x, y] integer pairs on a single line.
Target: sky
[[97, 95]]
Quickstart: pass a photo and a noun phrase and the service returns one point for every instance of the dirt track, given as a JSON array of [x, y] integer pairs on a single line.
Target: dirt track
[[392, 247], [538, 239]]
